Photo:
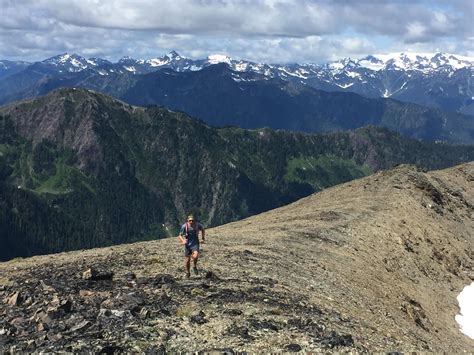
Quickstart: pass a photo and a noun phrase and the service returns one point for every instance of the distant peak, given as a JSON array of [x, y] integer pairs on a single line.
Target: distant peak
[[73, 62], [173, 55], [126, 59]]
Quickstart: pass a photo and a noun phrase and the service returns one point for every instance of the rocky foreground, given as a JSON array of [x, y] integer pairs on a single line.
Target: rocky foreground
[[371, 265]]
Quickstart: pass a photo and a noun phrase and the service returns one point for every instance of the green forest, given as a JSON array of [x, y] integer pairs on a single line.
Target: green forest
[[79, 169]]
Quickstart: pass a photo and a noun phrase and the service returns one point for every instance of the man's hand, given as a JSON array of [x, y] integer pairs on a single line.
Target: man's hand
[[202, 240], [182, 240]]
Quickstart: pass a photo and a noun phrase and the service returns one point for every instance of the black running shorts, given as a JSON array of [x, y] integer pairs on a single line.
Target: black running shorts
[[189, 249]]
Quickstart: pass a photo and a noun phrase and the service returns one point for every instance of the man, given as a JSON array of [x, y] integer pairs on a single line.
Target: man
[[189, 237]]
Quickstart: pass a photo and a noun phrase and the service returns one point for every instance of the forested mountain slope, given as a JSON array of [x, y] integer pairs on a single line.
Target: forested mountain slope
[[80, 169]]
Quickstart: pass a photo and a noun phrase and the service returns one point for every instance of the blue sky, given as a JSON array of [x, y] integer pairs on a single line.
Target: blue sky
[[262, 31]]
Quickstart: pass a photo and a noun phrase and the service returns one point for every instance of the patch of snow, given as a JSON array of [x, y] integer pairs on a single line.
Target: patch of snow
[[241, 66], [352, 74], [296, 73], [336, 66], [195, 68], [345, 86], [372, 66], [218, 58], [132, 69], [63, 58], [157, 62], [466, 317], [78, 64], [401, 88]]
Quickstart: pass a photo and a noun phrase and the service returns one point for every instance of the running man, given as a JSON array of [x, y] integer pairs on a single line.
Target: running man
[[189, 237]]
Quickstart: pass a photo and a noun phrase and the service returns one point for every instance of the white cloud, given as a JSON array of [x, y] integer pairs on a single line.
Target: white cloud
[[270, 30], [416, 32]]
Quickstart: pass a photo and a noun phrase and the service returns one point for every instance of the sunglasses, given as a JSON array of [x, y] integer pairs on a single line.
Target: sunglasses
[[190, 220]]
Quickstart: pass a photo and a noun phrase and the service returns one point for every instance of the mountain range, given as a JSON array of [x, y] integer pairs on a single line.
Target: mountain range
[[222, 96], [437, 80], [82, 169]]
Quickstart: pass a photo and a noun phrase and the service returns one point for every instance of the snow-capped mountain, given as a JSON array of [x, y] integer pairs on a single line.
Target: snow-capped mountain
[[432, 79], [68, 63], [424, 62], [437, 80]]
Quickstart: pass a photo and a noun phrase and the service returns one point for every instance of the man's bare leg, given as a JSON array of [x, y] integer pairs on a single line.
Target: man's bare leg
[[187, 265], [195, 257]]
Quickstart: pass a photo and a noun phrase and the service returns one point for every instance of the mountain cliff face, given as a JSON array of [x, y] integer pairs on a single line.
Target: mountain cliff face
[[79, 169], [373, 265]]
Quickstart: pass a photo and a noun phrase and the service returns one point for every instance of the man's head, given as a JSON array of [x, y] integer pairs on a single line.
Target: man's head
[[191, 218]]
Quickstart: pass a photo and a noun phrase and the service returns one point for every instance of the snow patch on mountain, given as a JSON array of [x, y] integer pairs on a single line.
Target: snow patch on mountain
[[466, 318], [241, 66], [131, 69], [345, 86], [157, 62], [218, 58]]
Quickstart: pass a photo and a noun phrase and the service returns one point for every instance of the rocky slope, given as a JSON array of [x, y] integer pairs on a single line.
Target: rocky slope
[[371, 265]]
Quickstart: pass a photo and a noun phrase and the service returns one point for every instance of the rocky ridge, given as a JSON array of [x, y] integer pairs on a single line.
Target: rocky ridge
[[371, 265]]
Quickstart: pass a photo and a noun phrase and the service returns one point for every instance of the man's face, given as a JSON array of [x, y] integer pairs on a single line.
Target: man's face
[[191, 221]]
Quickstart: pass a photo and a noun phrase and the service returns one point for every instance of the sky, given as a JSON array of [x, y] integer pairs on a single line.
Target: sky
[[272, 31]]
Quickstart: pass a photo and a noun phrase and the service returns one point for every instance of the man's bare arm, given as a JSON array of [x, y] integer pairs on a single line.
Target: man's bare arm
[[181, 239]]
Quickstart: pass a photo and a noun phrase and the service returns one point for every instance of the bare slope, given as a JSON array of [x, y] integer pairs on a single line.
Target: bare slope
[[374, 264]]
